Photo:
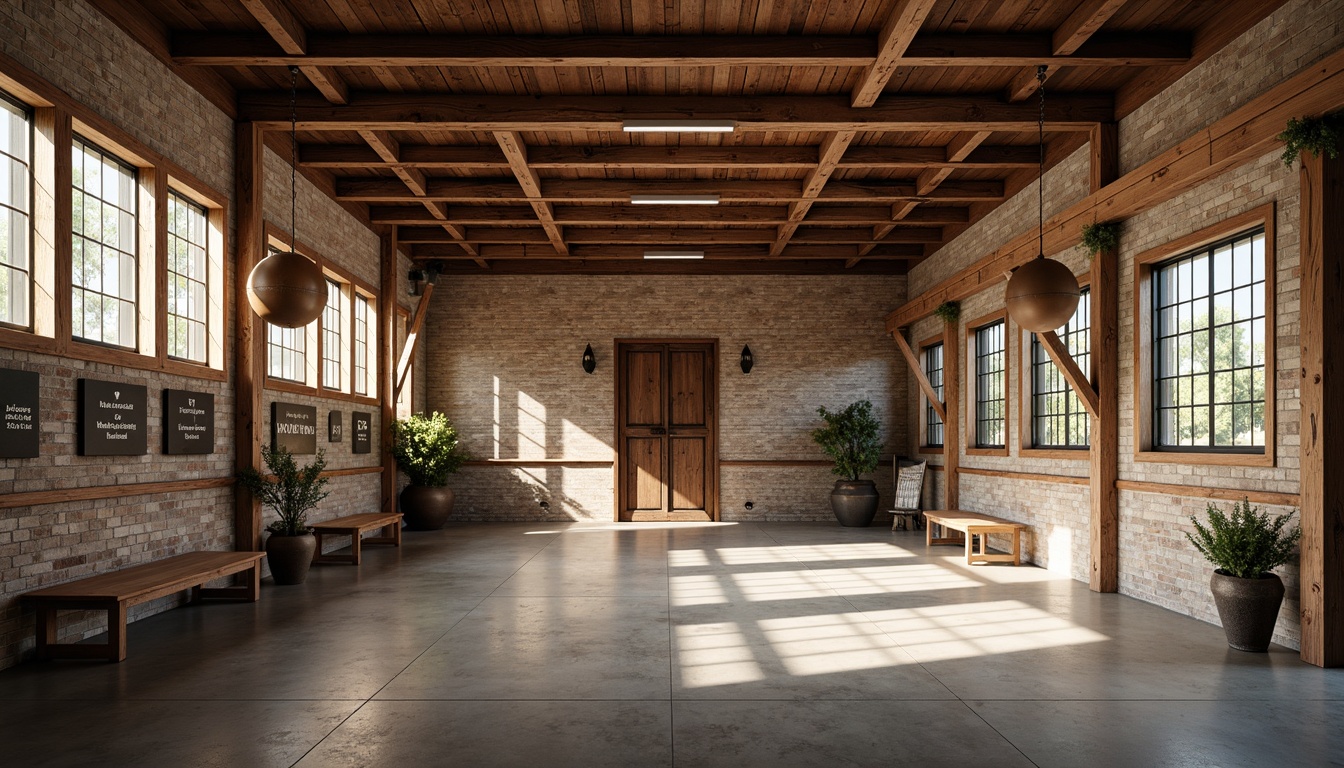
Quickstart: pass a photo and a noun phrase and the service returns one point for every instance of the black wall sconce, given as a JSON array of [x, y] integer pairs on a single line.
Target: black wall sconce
[[419, 277], [416, 276], [589, 359], [747, 360]]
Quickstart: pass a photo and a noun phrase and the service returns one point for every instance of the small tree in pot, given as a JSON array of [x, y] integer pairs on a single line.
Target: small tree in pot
[[426, 449], [291, 491], [1244, 549], [851, 439]]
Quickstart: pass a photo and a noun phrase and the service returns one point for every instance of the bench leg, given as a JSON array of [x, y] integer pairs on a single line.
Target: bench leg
[[355, 549], [1017, 546], [928, 534], [116, 632], [46, 630], [970, 546]]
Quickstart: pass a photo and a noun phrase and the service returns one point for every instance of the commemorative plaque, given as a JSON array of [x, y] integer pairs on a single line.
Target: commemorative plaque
[[112, 418], [294, 427], [335, 431], [19, 406], [362, 430], [188, 422]]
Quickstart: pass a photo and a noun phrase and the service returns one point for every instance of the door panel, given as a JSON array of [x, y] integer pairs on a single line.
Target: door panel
[[644, 402], [644, 480], [687, 473], [688, 390]]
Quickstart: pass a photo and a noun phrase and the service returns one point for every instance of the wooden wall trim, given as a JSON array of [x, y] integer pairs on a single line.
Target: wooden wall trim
[[540, 463], [1224, 494], [93, 493], [350, 471], [776, 463], [1032, 476]]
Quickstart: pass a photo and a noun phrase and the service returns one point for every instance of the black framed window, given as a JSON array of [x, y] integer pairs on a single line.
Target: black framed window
[[991, 399], [103, 250], [16, 223], [361, 361], [188, 279], [333, 338], [933, 371], [1209, 331], [1058, 419]]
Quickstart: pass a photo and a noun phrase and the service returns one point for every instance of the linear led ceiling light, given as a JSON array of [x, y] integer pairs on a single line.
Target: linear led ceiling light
[[674, 254], [678, 126], [674, 199]]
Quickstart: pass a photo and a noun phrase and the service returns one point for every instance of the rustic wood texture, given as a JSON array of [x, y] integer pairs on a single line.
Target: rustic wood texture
[[913, 361], [972, 524], [412, 339], [1205, 492], [387, 365], [355, 526], [952, 424], [249, 331], [1068, 368], [1104, 424], [1031, 476]]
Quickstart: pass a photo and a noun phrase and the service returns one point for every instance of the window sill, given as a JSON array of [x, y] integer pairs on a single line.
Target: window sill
[[1265, 459], [936, 450], [295, 388], [1057, 454], [987, 451]]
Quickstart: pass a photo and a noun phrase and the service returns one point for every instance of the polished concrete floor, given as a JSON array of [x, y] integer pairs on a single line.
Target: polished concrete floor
[[732, 645]]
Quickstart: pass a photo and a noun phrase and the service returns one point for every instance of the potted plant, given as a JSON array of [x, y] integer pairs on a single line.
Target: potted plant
[[1244, 548], [291, 491], [426, 449], [850, 438]]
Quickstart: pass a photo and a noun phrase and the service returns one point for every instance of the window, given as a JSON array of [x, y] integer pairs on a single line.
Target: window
[[16, 183], [188, 279], [1058, 419], [990, 386], [103, 248], [933, 371], [1209, 348], [365, 329], [333, 340], [285, 352]]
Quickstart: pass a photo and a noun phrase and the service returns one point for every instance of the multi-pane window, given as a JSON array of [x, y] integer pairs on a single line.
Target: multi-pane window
[[103, 247], [361, 361], [933, 371], [16, 183], [1057, 416], [990, 387], [333, 340], [1209, 347], [188, 279], [285, 353]]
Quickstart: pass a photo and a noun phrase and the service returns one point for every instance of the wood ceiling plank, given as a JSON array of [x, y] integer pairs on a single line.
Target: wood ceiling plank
[[515, 151], [828, 155], [897, 252], [896, 35], [1080, 27]]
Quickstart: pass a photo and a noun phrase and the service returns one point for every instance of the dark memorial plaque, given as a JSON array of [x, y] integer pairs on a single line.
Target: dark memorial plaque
[[335, 432], [362, 429], [188, 422], [294, 427], [19, 438], [112, 418]]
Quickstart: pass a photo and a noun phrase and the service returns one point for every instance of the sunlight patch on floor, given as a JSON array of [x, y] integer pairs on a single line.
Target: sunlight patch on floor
[[715, 654], [780, 585], [893, 579], [830, 644], [810, 553], [705, 589], [967, 630]]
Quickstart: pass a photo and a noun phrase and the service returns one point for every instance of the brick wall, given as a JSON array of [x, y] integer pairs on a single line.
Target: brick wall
[[506, 357]]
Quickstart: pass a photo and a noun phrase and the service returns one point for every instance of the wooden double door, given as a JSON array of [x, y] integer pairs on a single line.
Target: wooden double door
[[667, 430]]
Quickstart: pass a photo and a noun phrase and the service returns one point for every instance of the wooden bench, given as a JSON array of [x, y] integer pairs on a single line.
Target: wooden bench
[[117, 591], [972, 524], [354, 526]]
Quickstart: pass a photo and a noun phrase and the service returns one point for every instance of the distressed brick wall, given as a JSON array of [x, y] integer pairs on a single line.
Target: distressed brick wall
[[506, 369], [1156, 563]]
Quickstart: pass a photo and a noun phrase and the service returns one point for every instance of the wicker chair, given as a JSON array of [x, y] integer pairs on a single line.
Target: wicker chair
[[909, 482]]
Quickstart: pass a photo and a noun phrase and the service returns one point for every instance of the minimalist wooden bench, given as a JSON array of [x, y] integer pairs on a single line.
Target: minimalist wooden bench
[[972, 524], [117, 591], [354, 526]]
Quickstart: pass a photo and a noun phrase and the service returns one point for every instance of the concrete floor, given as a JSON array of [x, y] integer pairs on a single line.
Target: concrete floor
[[733, 645]]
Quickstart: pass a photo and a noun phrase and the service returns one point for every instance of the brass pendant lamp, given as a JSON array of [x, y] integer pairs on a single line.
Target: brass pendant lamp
[[1043, 293], [287, 288]]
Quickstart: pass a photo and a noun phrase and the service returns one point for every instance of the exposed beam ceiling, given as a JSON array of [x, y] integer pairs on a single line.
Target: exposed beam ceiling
[[285, 32]]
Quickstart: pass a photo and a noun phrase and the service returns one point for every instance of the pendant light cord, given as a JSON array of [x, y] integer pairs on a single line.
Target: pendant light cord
[[1040, 168], [293, 158]]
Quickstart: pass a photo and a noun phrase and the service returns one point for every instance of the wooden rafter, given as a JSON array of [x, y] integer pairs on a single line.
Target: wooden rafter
[[832, 148], [1073, 34], [895, 252], [668, 215], [516, 152], [896, 35], [662, 235], [412, 340], [284, 30]]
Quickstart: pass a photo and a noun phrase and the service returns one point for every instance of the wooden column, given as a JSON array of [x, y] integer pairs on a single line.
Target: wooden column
[[248, 348], [387, 363], [952, 406], [1322, 561], [1104, 453]]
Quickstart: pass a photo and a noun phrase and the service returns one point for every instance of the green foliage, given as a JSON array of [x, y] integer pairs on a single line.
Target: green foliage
[[850, 437], [948, 311], [1101, 237], [290, 490], [426, 448], [1316, 135], [1248, 544]]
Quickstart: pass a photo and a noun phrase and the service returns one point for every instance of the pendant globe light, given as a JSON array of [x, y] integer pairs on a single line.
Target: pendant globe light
[[1043, 293], [287, 288]]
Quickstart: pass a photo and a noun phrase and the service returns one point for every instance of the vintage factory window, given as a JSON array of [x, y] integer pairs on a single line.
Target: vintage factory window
[[103, 248]]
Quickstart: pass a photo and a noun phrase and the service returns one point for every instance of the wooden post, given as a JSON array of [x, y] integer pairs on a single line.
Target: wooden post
[[387, 364], [248, 349], [1104, 424], [412, 340], [952, 407], [1322, 292]]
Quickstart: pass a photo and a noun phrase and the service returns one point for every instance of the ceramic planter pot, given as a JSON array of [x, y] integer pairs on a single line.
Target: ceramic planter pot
[[290, 557], [1248, 608], [854, 502], [426, 508]]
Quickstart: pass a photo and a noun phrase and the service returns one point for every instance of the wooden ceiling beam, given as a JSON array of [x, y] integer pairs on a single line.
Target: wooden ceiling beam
[[417, 112], [1075, 33], [699, 268], [820, 216], [668, 235], [828, 156], [388, 148], [544, 252], [516, 152], [283, 29], [897, 33]]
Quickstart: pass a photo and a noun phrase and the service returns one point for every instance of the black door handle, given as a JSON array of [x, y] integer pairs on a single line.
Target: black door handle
[[658, 431]]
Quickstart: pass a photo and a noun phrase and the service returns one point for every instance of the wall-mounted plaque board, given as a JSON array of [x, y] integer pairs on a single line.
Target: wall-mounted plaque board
[[21, 427], [335, 430], [188, 422], [362, 429], [294, 427], [112, 418]]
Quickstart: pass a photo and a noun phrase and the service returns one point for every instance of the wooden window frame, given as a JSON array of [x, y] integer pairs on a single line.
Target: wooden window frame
[[922, 408], [145, 183], [1025, 426], [31, 115], [971, 328], [371, 355], [1261, 216]]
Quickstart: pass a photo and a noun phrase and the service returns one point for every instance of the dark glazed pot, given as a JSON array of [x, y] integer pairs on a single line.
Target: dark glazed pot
[[854, 502], [1248, 608], [426, 508], [290, 557]]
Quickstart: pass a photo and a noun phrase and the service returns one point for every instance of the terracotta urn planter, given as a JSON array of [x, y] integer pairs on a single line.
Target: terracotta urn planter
[[426, 507], [1248, 608], [854, 502], [290, 557]]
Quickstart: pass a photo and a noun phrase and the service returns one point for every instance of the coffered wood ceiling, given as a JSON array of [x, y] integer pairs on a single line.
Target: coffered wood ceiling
[[869, 132]]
